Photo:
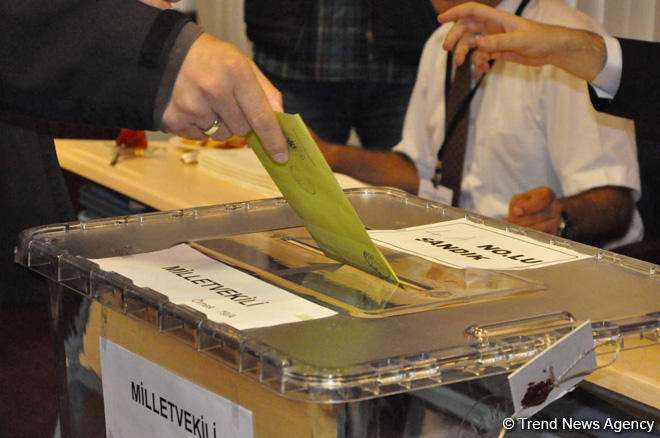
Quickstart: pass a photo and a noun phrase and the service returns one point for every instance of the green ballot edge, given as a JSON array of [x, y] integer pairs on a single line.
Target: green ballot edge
[[311, 189]]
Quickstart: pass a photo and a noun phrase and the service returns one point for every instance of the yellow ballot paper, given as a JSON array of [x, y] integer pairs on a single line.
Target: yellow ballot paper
[[310, 187]]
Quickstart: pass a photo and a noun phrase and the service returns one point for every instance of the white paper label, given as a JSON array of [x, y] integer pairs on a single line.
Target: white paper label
[[224, 294], [144, 400], [554, 372], [461, 244]]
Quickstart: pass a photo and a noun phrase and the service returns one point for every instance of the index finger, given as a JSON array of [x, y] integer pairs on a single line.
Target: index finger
[[470, 11], [255, 106], [465, 11], [272, 93], [484, 19]]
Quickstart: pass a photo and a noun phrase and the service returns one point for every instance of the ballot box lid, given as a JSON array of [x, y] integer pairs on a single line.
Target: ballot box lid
[[486, 322]]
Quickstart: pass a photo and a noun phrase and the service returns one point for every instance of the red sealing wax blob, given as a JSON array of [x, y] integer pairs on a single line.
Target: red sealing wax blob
[[131, 139], [537, 393]]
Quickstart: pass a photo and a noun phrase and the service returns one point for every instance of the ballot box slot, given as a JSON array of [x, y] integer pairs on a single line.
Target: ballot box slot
[[289, 258], [309, 244]]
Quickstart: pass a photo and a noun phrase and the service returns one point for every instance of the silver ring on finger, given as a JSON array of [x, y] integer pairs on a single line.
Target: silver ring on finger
[[213, 128]]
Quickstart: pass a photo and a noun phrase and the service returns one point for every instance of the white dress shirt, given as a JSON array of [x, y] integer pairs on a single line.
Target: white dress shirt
[[529, 127], [607, 82]]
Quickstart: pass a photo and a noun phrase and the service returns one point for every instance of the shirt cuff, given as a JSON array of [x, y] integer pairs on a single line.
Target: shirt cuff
[[606, 84], [184, 40]]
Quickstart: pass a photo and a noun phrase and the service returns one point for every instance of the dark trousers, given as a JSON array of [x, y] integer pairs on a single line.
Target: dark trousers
[[331, 109]]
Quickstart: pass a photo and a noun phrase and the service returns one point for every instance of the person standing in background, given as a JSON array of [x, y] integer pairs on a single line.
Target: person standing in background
[[522, 144], [623, 77], [343, 64], [623, 73]]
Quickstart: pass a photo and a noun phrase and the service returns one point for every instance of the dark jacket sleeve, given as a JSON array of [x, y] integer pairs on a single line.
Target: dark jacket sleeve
[[95, 62], [638, 96]]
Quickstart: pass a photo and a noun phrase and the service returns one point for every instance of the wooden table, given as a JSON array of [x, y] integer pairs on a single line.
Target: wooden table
[[162, 181], [159, 180]]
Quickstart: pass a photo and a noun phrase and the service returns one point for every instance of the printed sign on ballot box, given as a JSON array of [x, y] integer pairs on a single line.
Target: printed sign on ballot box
[[145, 400]]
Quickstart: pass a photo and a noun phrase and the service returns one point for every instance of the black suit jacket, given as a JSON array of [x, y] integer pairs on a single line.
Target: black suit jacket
[[638, 97], [98, 62]]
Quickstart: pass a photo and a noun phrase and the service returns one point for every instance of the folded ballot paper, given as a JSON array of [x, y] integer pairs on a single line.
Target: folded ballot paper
[[310, 187]]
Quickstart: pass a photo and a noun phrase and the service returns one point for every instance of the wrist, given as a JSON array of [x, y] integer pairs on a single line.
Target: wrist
[[579, 52], [596, 54]]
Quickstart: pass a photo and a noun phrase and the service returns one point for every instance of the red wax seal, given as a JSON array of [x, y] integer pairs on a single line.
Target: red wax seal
[[538, 392]]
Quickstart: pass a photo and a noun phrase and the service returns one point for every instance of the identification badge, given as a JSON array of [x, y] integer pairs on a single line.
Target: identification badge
[[440, 193]]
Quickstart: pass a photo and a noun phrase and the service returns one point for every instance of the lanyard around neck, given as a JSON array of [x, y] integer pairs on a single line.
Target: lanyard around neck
[[465, 105]]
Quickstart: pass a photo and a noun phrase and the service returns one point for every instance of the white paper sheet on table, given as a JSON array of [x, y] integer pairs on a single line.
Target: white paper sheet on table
[[460, 243], [223, 293], [243, 165]]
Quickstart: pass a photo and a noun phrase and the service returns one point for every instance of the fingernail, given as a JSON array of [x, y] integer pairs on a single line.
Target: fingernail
[[281, 157]]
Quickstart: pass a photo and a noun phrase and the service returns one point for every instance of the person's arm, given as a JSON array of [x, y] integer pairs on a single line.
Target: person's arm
[[217, 82], [594, 217], [374, 167], [500, 35], [106, 63], [496, 34], [592, 161], [90, 62], [637, 92]]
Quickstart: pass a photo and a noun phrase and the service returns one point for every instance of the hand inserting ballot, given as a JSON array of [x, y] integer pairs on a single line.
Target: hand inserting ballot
[[219, 92], [538, 209], [217, 84]]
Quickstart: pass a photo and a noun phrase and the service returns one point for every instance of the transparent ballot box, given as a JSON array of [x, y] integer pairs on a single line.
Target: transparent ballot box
[[324, 376]]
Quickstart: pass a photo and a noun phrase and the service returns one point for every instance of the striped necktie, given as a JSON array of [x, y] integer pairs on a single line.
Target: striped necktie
[[453, 154]]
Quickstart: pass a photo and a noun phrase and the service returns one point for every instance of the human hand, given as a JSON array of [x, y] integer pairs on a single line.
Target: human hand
[[538, 209], [497, 34], [218, 82]]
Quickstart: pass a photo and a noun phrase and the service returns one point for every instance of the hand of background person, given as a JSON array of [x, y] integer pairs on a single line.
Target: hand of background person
[[218, 82], [497, 34], [538, 209]]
